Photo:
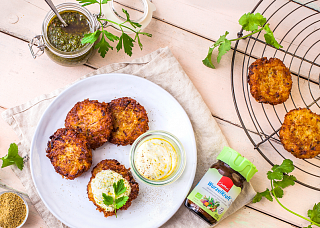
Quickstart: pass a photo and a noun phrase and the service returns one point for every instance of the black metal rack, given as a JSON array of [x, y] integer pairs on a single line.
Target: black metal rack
[[298, 23]]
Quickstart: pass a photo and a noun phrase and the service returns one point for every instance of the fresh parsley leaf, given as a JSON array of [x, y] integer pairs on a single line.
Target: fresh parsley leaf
[[251, 22], [103, 46], [119, 188], [134, 24], [286, 181], [107, 200], [314, 214], [105, 1], [278, 192], [127, 42], [274, 175], [121, 201], [139, 41], [207, 61], [87, 2], [110, 36], [257, 198], [12, 157], [286, 166], [91, 37], [269, 37], [223, 49], [265, 194]]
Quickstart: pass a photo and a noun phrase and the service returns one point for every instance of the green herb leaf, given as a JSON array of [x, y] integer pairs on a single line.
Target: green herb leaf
[[120, 202], [267, 195], [134, 24], [259, 195], [286, 181], [139, 41], [207, 61], [286, 166], [103, 46], [269, 37], [91, 37], [274, 175], [223, 49], [119, 188], [105, 1], [127, 42], [12, 157], [110, 36], [87, 2], [107, 200], [314, 214], [250, 21], [278, 192]]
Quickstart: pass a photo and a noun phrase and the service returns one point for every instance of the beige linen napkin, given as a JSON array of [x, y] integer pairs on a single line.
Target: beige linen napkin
[[161, 68]]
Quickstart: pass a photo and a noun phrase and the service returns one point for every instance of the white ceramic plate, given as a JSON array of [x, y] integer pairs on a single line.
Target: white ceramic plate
[[67, 199]]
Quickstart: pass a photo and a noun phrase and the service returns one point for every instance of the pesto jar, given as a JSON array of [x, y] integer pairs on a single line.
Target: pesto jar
[[65, 58]]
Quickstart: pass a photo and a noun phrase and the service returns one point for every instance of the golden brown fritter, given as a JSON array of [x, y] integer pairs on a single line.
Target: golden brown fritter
[[69, 153], [300, 133], [93, 119], [114, 165], [130, 120], [270, 81]]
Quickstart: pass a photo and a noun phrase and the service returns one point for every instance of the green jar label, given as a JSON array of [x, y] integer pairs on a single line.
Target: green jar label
[[214, 193]]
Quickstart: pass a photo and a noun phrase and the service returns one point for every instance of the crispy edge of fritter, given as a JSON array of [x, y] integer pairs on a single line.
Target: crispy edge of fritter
[[82, 153], [294, 144], [114, 165], [96, 137], [133, 130], [255, 75]]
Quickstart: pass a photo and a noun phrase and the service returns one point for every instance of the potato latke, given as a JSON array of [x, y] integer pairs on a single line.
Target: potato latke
[[270, 81], [130, 120], [115, 166], [93, 119], [300, 133], [69, 153]]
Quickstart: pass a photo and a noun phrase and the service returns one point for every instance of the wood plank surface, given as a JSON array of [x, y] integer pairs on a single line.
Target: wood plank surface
[[23, 78]]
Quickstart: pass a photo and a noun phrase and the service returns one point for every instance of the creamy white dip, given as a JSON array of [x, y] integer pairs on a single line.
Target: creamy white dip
[[155, 159], [103, 183]]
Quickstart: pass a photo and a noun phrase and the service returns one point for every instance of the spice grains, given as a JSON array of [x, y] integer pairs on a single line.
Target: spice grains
[[12, 210]]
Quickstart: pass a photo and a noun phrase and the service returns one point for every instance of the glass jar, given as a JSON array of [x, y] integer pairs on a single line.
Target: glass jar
[[177, 148], [220, 186], [74, 58]]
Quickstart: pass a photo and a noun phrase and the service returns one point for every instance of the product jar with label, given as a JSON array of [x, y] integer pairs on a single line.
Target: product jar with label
[[220, 186]]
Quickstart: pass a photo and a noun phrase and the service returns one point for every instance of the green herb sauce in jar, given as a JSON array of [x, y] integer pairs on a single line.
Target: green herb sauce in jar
[[68, 38]]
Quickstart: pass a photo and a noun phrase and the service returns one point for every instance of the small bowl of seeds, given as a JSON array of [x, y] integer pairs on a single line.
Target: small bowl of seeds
[[14, 210]]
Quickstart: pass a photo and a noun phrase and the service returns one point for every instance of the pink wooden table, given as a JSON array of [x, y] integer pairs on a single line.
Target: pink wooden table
[[188, 28]]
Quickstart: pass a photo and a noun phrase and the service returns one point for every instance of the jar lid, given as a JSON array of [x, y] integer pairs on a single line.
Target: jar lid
[[237, 162]]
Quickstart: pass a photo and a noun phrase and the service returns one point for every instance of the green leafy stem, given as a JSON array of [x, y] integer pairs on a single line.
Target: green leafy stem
[[124, 41], [116, 201], [279, 179], [250, 22]]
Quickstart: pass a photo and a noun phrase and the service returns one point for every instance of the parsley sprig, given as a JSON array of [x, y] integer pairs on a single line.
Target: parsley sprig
[[124, 41], [12, 157], [279, 179], [253, 23], [116, 201]]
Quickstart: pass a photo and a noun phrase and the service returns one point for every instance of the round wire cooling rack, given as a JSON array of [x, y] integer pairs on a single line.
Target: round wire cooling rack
[[296, 26]]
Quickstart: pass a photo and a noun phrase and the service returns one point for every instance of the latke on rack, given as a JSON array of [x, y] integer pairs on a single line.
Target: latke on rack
[[270, 81], [300, 133]]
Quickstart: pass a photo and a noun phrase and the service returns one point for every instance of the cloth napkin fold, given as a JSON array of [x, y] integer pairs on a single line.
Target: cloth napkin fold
[[161, 68]]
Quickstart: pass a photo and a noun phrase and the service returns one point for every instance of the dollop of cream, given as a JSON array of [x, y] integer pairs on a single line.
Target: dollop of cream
[[155, 159], [103, 183]]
